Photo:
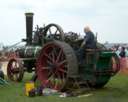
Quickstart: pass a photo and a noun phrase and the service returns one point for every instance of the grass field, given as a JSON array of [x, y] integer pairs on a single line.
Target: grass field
[[115, 91]]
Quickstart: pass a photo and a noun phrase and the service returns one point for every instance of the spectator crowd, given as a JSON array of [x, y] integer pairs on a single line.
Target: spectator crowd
[[122, 53]]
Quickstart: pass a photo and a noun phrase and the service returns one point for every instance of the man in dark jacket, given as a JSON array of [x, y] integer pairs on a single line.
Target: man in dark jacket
[[89, 40], [122, 54], [88, 43]]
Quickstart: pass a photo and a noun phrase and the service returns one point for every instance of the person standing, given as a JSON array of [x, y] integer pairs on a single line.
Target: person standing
[[123, 61], [122, 53]]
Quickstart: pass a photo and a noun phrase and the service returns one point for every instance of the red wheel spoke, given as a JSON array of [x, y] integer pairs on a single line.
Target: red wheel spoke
[[50, 73], [58, 75], [55, 52], [62, 62], [59, 81], [53, 56], [59, 55], [62, 70], [48, 56], [47, 68], [49, 62], [52, 79], [55, 83]]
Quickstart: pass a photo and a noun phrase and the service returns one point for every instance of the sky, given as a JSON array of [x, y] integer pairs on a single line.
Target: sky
[[107, 17]]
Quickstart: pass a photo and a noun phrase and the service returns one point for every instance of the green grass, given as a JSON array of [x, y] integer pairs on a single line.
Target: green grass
[[115, 91]]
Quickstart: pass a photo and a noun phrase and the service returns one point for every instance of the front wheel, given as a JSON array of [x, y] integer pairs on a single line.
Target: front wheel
[[15, 70]]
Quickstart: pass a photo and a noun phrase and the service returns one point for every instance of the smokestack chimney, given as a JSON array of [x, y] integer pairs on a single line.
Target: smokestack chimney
[[29, 27]]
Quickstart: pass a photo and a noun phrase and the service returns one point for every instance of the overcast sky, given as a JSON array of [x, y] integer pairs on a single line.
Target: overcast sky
[[107, 17]]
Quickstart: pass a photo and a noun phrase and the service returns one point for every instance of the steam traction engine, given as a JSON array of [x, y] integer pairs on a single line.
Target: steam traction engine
[[24, 58], [54, 57]]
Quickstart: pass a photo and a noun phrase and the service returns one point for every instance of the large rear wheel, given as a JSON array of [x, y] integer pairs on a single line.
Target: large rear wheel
[[56, 63]]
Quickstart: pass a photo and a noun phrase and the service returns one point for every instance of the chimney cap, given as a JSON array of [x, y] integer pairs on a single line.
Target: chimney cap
[[29, 14]]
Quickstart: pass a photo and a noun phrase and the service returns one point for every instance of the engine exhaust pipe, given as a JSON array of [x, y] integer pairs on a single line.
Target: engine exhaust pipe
[[29, 27]]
